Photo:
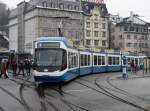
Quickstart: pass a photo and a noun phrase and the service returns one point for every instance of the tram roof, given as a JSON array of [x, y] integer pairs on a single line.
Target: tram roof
[[52, 39]]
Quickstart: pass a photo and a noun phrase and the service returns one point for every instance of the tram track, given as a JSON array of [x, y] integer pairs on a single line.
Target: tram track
[[109, 94], [11, 95], [70, 105], [125, 92], [22, 85], [27, 106]]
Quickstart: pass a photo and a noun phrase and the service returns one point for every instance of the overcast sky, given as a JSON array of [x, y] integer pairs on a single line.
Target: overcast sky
[[123, 7]]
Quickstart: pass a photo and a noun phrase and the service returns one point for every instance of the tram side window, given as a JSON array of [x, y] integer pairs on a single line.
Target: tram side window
[[85, 60], [136, 60], [73, 60], [81, 60], [95, 60], [114, 60], [76, 60], [89, 60], [129, 60], [99, 60], [117, 60], [110, 60], [103, 60], [69, 59]]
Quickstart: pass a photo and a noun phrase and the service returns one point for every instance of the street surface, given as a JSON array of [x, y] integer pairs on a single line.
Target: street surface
[[97, 92]]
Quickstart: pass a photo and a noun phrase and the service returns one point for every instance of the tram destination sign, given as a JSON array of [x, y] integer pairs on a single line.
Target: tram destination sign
[[48, 45]]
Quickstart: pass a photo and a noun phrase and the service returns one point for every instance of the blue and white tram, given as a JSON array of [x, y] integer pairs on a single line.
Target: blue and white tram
[[56, 62]]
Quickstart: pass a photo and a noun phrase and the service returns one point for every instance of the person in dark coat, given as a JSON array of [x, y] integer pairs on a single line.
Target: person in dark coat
[[132, 66], [14, 67], [28, 66], [21, 67]]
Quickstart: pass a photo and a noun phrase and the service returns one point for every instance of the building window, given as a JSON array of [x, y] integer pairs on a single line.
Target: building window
[[95, 25], [103, 19], [87, 24], [135, 44], [61, 6], [95, 33], [52, 5], [88, 33], [112, 37], [125, 28], [44, 4], [120, 44], [76, 7], [137, 29], [146, 45], [131, 28], [103, 34], [103, 42], [120, 37], [128, 44], [142, 37], [69, 7], [120, 28], [135, 36], [146, 38], [88, 42], [96, 42], [128, 36], [103, 26], [87, 18], [96, 17]]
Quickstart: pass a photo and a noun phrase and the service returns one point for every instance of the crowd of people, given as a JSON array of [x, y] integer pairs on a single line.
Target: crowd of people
[[18, 67]]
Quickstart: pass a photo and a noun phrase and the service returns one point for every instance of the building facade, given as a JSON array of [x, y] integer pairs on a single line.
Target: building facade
[[130, 35], [38, 18], [95, 25]]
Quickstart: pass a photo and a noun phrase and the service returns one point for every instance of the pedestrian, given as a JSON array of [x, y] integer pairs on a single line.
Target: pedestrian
[[132, 66], [14, 67], [136, 67], [21, 67], [3, 68], [28, 66]]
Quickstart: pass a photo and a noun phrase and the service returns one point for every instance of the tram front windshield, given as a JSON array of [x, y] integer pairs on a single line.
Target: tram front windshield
[[51, 57]]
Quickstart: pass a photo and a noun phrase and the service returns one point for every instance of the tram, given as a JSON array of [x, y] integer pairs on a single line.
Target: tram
[[55, 61]]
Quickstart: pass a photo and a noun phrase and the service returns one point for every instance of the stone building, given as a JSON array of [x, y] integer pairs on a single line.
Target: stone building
[[130, 35], [96, 19], [38, 18]]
